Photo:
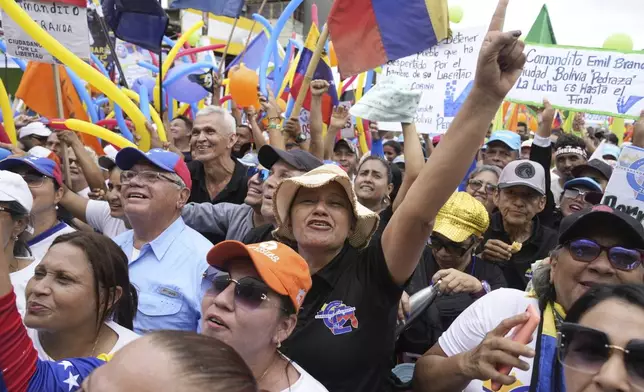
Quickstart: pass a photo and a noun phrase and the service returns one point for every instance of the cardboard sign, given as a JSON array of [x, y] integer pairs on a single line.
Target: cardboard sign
[[444, 74], [625, 190], [67, 23], [587, 80]]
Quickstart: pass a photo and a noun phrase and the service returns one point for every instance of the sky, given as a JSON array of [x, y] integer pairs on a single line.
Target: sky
[[575, 22]]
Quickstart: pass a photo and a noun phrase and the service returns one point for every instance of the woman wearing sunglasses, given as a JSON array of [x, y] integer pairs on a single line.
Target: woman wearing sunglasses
[[601, 344], [596, 246], [227, 221], [482, 183], [253, 307], [579, 194]]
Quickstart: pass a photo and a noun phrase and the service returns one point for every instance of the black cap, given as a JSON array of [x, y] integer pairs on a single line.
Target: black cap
[[299, 159], [581, 222], [597, 165]]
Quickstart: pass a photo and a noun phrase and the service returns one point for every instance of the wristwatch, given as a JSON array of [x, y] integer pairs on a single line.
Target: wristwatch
[[486, 289]]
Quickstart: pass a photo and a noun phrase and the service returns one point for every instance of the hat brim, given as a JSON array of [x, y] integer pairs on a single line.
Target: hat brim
[[366, 220], [10, 163], [451, 232], [499, 141], [106, 163], [577, 170], [269, 155], [601, 219], [226, 252], [130, 156], [345, 143], [583, 182], [507, 185]]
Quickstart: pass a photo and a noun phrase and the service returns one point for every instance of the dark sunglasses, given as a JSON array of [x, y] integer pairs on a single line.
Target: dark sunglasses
[[586, 250], [249, 292], [263, 173], [586, 350], [476, 185], [452, 247], [590, 197]]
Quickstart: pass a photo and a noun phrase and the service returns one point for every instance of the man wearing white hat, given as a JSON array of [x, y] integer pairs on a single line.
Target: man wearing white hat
[[33, 134]]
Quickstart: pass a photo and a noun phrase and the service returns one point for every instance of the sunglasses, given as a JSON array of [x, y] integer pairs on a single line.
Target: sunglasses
[[586, 350], [263, 173], [590, 197], [476, 185], [624, 259], [249, 292], [33, 180], [451, 247]]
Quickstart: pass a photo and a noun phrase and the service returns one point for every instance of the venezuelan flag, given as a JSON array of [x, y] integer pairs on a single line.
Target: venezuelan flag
[[323, 71], [369, 33]]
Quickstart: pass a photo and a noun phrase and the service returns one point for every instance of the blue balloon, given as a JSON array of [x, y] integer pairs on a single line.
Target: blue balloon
[[144, 102], [368, 81], [120, 120], [289, 107], [272, 46], [146, 81], [178, 85], [101, 101], [148, 66], [83, 94], [99, 64], [194, 109], [19, 62]]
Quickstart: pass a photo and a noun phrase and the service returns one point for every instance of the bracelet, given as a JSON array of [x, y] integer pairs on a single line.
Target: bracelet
[[275, 126], [275, 118]]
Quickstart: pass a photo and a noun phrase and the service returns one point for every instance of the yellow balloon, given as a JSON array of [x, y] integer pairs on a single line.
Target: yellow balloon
[[153, 113], [178, 45], [82, 69], [7, 114], [455, 14], [361, 137], [621, 42], [182, 109], [98, 131], [193, 40]]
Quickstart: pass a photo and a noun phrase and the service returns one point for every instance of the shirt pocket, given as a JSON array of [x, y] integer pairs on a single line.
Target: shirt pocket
[[160, 301]]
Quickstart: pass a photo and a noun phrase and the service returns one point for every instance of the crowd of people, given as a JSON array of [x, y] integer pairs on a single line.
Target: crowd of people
[[242, 257]]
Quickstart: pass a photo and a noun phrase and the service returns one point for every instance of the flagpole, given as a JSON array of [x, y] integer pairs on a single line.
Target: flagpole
[[61, 115], [101, 22], [313, 64], [250, 33], [223, 57]]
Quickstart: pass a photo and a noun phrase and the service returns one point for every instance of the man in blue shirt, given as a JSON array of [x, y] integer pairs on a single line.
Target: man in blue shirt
[[167, 258]]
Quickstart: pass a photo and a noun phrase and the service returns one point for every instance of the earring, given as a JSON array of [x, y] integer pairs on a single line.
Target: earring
[[279, 344], [15, 238]]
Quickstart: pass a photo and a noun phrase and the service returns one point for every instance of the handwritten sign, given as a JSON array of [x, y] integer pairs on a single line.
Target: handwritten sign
[[625, 190], [67, 23], [444, 74], [589, 80]]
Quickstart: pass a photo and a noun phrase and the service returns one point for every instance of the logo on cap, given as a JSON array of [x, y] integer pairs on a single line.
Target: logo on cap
[[268, 245], [635, 179], [266, 248], [525, 171]]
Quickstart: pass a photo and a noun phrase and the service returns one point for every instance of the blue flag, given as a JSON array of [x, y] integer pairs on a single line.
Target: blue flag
[[141, 22], [230, 8]]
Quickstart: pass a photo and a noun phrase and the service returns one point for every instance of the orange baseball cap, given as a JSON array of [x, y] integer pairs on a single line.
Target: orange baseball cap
[[279, 266]]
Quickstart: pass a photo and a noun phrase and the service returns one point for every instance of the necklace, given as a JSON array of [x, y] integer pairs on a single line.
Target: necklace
[[267, 369]]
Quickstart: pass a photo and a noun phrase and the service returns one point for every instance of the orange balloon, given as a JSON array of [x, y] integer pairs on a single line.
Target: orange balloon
[[243, 86], [281, 104], [333, 58]]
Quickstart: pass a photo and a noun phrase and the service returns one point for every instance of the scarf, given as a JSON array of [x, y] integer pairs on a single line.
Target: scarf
[[547, 372]]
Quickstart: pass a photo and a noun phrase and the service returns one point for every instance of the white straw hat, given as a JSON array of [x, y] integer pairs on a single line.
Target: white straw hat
[[366, 220]]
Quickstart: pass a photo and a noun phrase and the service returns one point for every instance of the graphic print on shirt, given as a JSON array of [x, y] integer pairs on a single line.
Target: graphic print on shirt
[[516, 387], [338, 317]]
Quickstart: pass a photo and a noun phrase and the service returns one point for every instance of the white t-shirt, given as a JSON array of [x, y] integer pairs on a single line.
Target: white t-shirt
[[125, 336], [306, 382], [97, 215], [555, 187], [470, 328], [19, 281], [84, 192], [39, 245]]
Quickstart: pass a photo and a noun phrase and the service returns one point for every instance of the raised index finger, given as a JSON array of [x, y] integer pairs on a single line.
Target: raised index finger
[[498, 19]]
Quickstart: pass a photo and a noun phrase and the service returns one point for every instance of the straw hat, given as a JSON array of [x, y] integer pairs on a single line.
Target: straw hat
[[366, 220], [461, 217]]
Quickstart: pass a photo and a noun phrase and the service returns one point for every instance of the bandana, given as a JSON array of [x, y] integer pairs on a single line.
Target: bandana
[[571, 150]]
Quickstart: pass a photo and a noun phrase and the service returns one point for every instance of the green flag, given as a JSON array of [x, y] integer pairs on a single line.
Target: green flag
[[541, 31]]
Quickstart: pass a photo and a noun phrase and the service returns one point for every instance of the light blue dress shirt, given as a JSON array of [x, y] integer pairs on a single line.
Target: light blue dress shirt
[[168, 276]]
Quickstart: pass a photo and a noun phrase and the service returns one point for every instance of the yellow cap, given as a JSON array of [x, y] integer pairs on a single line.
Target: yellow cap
[[462, 217]]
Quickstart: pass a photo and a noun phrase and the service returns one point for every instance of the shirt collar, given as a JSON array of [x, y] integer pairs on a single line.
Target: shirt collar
[[162, 243], [332, 271], [496, 224]]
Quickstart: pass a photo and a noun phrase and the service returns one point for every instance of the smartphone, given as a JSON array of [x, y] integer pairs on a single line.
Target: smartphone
[[522, 334]]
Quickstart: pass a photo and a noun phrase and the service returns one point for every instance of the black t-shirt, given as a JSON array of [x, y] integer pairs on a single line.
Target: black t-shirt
[[517, 270], [344, 335], [259, 234], [385, 217], [424, 332]]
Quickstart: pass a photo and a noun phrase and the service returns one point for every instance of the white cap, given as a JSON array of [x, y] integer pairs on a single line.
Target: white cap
[[527, 143], [14, 188], [524, 172], [35, 128]]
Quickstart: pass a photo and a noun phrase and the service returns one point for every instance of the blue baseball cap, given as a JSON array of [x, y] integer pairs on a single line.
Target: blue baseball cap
[[164, 160], [509, 138], [4, 153], [44, 166], [586, 182], [611, 150]]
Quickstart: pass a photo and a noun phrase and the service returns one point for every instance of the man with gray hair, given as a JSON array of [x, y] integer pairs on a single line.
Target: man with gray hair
[[216, 176], [167, 258]]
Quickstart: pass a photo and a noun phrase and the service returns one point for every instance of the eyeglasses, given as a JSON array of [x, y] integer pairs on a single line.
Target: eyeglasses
[[263, 173], [586, 350], [147, 176], [476, 185], [452, 247], [621, 258], [249, 292], [591, 197], [33, 180]]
